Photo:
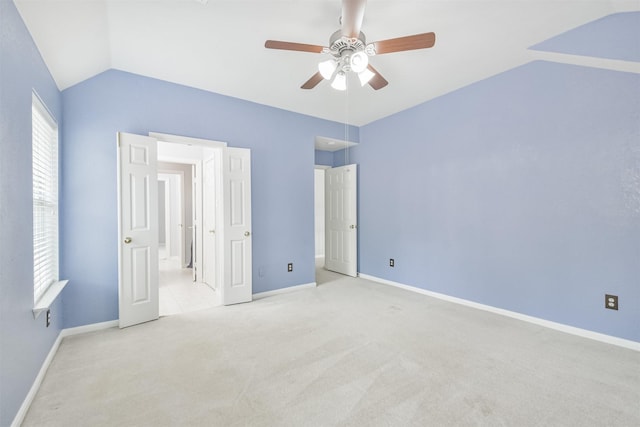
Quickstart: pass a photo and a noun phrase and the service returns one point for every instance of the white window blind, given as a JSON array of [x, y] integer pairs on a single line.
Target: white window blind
[[45, 198]]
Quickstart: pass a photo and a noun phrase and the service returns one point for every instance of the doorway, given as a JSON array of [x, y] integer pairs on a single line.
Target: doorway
[[180, 291], [336, 230], [137, 176], [336, 210], [322, 275]]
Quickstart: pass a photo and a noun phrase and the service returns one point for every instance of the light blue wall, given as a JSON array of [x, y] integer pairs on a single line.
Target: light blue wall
[[521, 192], [24, 342], [282, 145], [324, 158]]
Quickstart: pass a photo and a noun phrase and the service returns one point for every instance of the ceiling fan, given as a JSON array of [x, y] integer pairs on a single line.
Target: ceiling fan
[[350, 52]]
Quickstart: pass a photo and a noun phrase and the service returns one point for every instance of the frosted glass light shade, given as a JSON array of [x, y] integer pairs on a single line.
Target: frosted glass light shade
[[359, 62], [340, 81], [327, 68], [365, 76]]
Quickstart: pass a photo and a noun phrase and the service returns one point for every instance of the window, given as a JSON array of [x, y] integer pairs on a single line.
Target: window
[[45, 198]]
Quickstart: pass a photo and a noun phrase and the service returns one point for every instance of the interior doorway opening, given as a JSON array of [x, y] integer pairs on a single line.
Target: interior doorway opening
[[319, 222], [221, 172], [323, 275], [181, 290], [336, 210]]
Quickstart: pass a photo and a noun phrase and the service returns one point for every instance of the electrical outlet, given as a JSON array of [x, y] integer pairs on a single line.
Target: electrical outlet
[[48, 318], [611, 302], [392, 263], [290, 267]]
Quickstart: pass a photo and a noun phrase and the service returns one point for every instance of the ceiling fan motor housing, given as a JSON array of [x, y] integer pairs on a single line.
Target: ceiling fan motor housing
[[345, 50], [339, 44]]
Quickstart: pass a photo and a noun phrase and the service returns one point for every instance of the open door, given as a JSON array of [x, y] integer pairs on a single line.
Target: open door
[[236, 283], [341, 230], [138, 229]]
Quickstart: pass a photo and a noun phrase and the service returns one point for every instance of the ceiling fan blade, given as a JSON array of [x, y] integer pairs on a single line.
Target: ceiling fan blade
[[313, 81], [301, 47], [352, 16], [417, 41], [377, 81]]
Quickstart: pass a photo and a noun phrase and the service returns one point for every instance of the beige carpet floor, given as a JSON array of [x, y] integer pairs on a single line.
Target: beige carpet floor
[[350, 353]]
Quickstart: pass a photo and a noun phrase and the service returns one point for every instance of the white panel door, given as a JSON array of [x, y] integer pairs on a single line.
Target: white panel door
[[209, 217], [341, 228], [138, 229], [236, 286]]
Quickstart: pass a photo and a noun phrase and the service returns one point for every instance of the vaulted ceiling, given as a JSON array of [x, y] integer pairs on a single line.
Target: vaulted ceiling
[[218, 45]]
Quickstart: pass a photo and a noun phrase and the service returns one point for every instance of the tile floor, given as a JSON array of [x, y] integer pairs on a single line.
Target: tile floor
[[178, 292]]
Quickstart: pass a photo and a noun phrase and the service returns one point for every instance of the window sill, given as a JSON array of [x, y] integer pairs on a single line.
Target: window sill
[[48, 297]]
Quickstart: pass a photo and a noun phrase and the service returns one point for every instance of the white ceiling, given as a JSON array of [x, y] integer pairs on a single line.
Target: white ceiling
[[218, 45], [323, 143]]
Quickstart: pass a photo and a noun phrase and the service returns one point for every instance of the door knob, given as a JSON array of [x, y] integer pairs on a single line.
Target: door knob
[[247, 234], [212, 231], [352, 226], [127, 240]]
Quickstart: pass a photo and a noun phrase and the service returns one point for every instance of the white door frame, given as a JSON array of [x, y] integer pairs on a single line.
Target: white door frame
[[315, 218], [211, 233], [167, 213]]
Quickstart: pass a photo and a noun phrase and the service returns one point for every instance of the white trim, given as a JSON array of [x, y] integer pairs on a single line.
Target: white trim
[[586, 61], [178, 139], [24, 408], [621, 342], [88, 328], [286, 290], [44, 110], [48, 297]]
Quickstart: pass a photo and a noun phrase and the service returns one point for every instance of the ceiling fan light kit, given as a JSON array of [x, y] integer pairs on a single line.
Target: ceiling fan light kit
[[365, 76], [339, 81], [350, 51], [327, 68], [348, 55]]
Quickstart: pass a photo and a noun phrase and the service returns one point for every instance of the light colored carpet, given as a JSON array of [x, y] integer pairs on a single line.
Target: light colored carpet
[[349, 352]]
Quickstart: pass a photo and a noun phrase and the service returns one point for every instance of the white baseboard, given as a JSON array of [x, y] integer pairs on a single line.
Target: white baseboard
[[89, 328], [585, 333], [22, 412], [284, 290]]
